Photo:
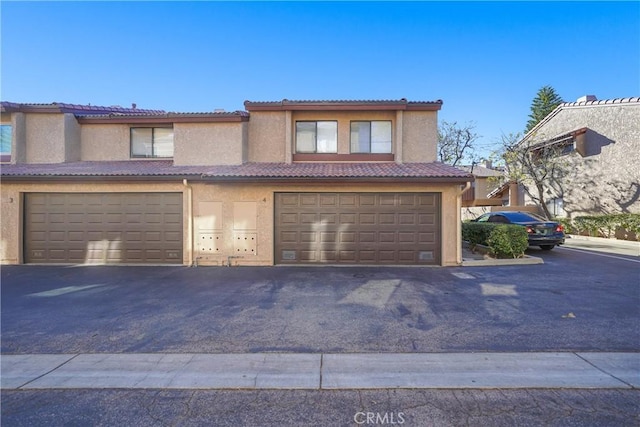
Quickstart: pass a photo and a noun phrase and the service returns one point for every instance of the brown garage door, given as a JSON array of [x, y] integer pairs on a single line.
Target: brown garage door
[[357, 228], [103, 228]]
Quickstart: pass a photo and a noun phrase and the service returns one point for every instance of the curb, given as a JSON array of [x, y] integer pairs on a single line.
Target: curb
[[526, 260]]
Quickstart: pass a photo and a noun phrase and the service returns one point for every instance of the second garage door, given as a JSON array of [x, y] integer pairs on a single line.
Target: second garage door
[[103, 228], [357, 228]]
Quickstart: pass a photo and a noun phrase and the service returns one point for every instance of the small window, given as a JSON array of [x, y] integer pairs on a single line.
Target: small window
[[5, 143], [151, 142], [317, 137], [371, 137]]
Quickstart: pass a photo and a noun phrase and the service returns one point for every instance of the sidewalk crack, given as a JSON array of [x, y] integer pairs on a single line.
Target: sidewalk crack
[[48, 372], [605, 372], [321, 367]]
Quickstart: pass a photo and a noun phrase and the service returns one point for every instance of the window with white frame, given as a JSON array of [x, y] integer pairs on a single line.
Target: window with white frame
[[151, 142], [371, 136], [5, 142], [317, 137]]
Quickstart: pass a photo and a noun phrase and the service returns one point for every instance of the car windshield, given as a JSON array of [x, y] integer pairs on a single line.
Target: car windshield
[[522, 217]]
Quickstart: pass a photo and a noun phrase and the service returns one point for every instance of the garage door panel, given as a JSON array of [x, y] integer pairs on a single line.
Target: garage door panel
[[387, 219], [308, 256], [348, 255], [426, 238], [308, 218], [307, 237], [367, 219], [427, 219], [387, 200], [330, 200], [389, 228], [348, 201], [103, 227], [367, 256]]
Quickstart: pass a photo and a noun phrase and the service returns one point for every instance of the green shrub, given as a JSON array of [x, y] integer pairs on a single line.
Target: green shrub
[[508, 241], [626, 224], [477, 233]]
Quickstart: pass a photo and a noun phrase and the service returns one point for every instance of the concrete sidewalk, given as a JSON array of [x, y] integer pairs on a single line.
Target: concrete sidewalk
[[322, 371], [599, 244]]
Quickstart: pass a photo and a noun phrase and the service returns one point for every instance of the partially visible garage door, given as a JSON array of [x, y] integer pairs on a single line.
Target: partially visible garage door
[[103, 228], [357, 228]]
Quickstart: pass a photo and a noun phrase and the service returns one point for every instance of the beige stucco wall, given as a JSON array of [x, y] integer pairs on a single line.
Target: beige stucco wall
[[607, 179], [419, 136], [267, 136], [263, 196], [105, 142], [260, 197], [72, 135], [270, 132], [209, 143], [45, 138]]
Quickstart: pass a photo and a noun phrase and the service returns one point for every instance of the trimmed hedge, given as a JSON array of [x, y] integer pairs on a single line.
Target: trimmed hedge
[[508, 241], [477, 233], [504, 240], [624, 226]]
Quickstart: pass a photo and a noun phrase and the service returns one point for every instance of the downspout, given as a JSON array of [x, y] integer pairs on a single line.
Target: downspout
[[459, 222], [189, 221]]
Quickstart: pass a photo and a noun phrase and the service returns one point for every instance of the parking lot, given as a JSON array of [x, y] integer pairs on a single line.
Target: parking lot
[[580, 300], [576, 300]]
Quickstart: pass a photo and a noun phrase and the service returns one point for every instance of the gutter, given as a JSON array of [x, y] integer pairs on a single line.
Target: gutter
[[246, 179], [189, 220]]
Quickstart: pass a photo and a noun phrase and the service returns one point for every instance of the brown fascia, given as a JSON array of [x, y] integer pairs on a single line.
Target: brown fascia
[[287, 105], [237, 116]]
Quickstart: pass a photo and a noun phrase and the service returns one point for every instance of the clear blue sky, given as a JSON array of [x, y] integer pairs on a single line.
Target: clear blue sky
[[486, 61]]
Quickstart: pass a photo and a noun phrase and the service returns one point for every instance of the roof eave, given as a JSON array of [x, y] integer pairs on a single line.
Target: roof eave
[[166, 118], [264, 179], [287, 105]]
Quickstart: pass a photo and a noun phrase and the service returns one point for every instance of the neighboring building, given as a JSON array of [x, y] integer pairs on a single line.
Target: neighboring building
[[475, 200], [598, 145], [289, 182]]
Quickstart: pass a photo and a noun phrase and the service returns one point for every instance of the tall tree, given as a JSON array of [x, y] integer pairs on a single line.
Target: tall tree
[[455, 142], [546, 101], [535, 164]]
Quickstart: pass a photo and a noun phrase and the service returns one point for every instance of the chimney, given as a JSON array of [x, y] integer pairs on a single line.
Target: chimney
[[587, 98]]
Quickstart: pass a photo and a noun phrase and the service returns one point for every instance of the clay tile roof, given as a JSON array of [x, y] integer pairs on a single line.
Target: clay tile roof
[[397, 104], [257, 171], [78, 109], [630, 100]]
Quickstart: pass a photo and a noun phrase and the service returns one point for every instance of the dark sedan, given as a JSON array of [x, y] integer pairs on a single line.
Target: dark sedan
[[543, 233]]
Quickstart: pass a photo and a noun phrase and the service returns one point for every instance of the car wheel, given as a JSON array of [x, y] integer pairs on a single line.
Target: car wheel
[[546, 247]]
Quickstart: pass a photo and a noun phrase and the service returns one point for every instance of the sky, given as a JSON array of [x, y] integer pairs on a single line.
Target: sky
[[485, 60]]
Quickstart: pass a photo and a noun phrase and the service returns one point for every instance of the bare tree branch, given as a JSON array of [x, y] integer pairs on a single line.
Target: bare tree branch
[[456, 143]]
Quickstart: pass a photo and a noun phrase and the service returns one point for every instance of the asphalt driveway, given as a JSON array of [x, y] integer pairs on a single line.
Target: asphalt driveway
[[570, 303]]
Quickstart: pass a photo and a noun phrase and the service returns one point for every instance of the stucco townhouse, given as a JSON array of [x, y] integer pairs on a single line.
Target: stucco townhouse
[[286, 182], [597, 147]]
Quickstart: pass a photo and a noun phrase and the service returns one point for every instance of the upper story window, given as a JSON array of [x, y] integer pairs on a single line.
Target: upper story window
[[371, 137], [5, 143], [152, 142], [317, 137]]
